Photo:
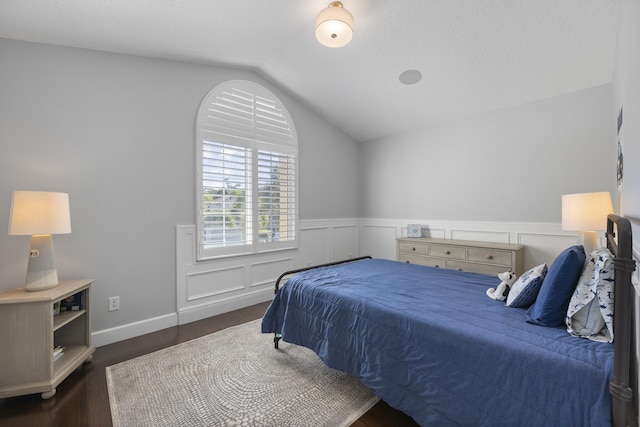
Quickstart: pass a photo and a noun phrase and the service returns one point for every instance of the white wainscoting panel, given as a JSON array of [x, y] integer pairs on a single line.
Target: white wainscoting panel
[[438, 233], [211, 287], [265, 272], [315, 245], [542, 248], [345, 241], [208, 288], [206, 284], [543, 242], [375, 240], [483, 236]]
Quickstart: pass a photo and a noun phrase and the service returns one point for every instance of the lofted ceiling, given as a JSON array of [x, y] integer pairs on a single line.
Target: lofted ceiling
[[474, 55]]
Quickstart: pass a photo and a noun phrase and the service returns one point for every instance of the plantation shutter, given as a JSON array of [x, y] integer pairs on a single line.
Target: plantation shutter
[[276, 195], [247, 149], [226, 192]]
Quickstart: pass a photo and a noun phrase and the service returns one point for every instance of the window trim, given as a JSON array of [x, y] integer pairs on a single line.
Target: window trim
[[260, 135]]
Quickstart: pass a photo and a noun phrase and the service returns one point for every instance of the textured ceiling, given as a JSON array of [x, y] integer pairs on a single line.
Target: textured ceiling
[[474, 55]]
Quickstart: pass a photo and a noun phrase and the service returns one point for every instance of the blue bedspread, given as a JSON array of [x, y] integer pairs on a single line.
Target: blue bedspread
[[429, 342]]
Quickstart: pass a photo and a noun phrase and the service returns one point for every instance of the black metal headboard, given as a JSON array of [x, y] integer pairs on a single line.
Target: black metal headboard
[[620, 242]]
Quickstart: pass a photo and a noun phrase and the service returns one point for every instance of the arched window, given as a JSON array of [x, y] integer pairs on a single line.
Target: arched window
[[247, 150]]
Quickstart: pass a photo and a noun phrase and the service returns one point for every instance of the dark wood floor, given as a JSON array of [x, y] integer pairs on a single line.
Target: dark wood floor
[[82, 399]]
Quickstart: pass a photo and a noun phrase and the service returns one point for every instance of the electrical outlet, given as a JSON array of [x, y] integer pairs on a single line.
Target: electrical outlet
[[114, 303]]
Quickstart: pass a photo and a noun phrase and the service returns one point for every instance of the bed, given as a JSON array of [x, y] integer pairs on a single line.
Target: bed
[[431, 343]]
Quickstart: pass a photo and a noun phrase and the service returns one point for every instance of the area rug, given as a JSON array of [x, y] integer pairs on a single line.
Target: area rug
[[234, 378]]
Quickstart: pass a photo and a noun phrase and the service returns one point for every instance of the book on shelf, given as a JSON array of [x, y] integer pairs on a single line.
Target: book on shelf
[[72, 303], [56, 308], [58, 351]]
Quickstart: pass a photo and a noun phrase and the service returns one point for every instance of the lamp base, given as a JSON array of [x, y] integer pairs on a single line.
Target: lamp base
[[588, 239], [41, 273]]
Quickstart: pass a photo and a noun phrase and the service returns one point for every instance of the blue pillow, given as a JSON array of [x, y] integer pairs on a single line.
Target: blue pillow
[[550, 308], [524, 291]]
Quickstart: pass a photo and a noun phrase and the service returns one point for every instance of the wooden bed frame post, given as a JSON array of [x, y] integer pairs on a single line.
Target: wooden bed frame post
[[622, 403]]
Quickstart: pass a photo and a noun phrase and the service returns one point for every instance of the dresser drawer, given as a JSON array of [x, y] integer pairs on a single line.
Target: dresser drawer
[[465, 255], [490, 256], [447, 251], [421, 260], [490, 270], [413, 248]]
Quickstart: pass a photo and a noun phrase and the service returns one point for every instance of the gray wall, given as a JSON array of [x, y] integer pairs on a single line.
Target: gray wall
[[627, 97], [117, 133], [510, 165]]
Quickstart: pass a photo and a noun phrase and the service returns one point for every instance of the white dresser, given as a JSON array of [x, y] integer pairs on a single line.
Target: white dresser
[[463, 255]]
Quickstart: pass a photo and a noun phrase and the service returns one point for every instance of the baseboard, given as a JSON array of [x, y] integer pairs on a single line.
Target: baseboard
[[193, 313], [135, 329]]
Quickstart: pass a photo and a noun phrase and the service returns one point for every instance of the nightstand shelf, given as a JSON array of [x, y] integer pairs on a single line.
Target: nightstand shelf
[[63, 318], [30, 331]]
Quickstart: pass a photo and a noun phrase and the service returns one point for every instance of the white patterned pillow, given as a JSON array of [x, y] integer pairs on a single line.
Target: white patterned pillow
[[590, 313], [524, 291]]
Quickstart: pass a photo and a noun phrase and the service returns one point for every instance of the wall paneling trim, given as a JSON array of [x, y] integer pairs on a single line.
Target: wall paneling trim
[[212, 287]]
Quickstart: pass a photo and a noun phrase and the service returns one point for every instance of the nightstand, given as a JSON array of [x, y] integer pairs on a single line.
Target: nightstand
[[30, 330]]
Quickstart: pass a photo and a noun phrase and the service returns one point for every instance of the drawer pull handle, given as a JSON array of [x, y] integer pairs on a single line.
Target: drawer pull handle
[[489, 256], [408, 262], [459, 269], [413, 249], [437, 266], [447, 252]]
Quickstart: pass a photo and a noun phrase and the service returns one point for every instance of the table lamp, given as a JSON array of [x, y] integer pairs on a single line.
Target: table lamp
[[40, 214], [587, 214]]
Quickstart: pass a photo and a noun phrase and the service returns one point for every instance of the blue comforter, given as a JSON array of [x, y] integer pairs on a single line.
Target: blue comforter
[[431, 343]]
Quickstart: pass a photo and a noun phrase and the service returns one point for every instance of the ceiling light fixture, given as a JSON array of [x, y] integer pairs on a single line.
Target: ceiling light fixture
[[334, 26]]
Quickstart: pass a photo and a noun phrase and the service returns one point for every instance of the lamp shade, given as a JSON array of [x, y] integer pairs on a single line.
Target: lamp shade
[[586, 211], [39, 212], [334, 25]]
